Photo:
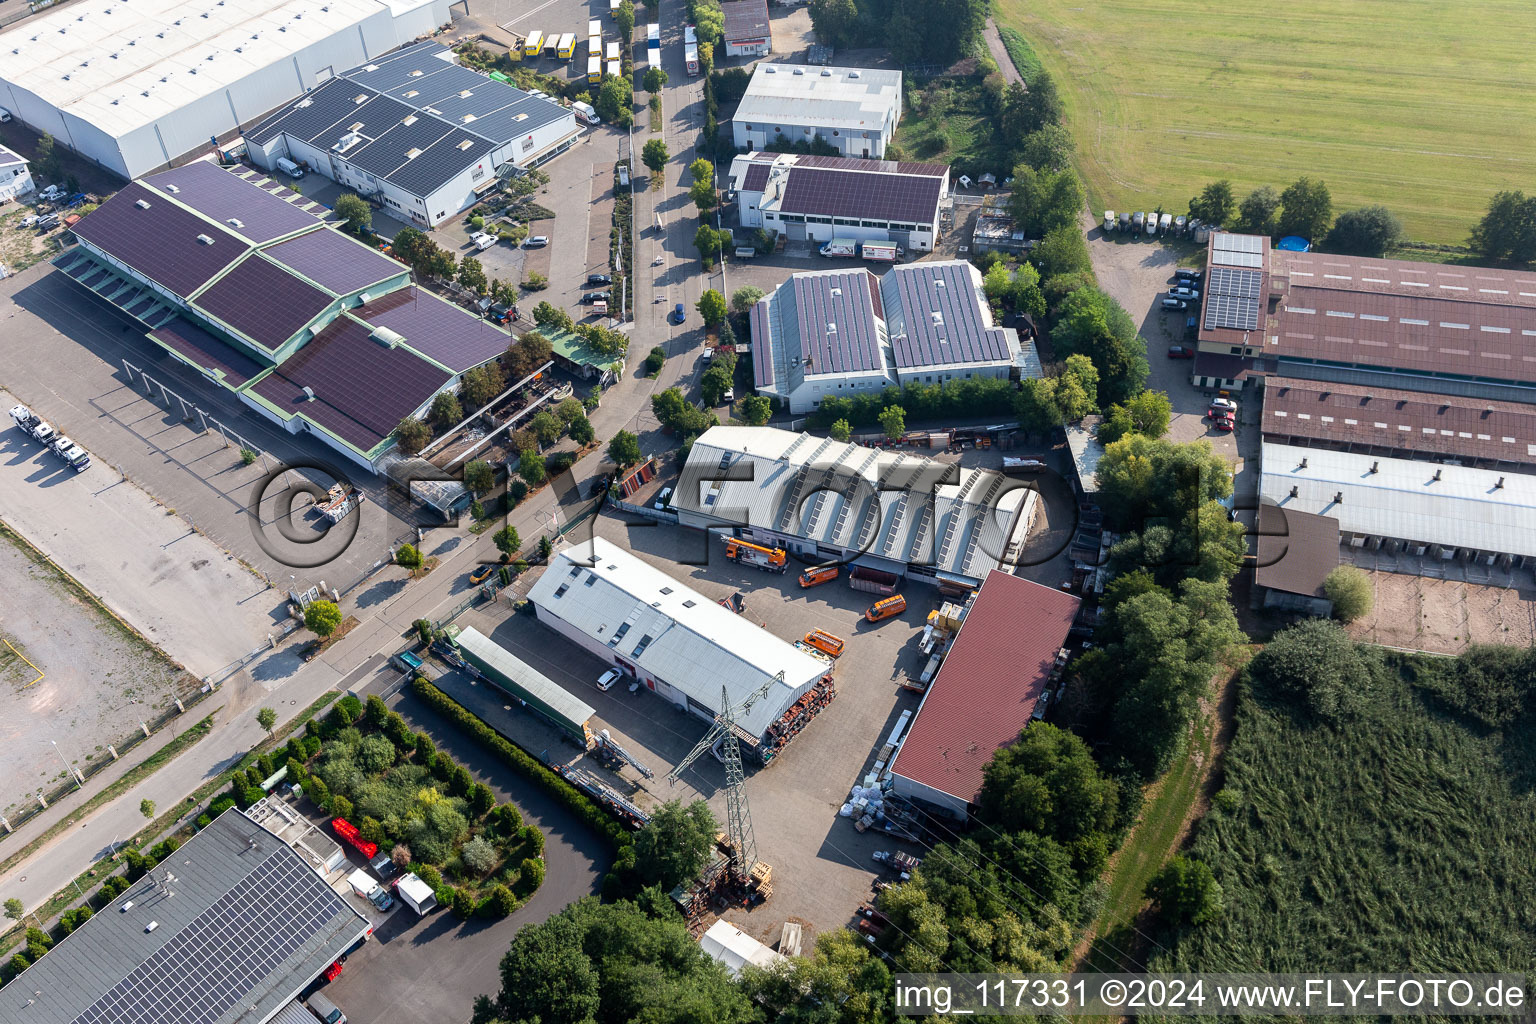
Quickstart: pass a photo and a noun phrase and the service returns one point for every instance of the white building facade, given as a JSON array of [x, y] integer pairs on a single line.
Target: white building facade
[[134, 86], [853, 110], [15, 175]]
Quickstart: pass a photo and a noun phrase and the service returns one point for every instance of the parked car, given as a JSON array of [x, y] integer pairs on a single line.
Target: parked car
[[499, 312], [482, 240], [536, 242], [1180, 352], [599, 279], [1182, 292], [1222, 402], [661, 499], [607, 679], [1223, 421], [590, 297], [678, 316], [1191, 327], [1175, 304], [1186, 274]]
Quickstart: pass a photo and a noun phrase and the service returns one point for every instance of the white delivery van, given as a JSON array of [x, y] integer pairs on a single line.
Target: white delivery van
[[289, 168], [586, 112]]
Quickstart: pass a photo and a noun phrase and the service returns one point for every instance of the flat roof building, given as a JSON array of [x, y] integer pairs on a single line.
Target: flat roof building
[[990, 684], [1443, 512], [898, 512], [748, 29], [678, 643], [15, 174], [134, 86], [1294, 554], [240, 279], [818, 198], [994, 230], [415, 132], [853, 110], [228, 931], [836, 333]]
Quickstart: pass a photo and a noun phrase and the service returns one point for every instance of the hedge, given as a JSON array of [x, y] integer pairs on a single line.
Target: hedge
[[524, 763]]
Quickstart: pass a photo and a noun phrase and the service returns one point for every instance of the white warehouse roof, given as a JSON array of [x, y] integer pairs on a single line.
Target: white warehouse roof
[[1478, 509], [851, 98], [120, 64], [859, 499], [673, 632]]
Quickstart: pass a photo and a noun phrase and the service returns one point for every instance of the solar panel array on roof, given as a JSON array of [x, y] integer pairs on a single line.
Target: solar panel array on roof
[[437, 329], [159, 239], [756, 178], [849, 163], [311, 116], [1232, 296], [262, 301], [1232, 250], [1244, 284], [827, 192], [221, 196], [334, 261], [838, 333], [362, 387], [934, 316], [203, 350]]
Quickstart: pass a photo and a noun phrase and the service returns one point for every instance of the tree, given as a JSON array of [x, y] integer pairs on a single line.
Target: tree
[[580, 430], [1048, 148], [440, 263], [322, 617], [472, 275], [654, 79], [711, 307], [1369, 231], [701, 170], [1063, 251], [745, 297], [1257, 213], [841, 430], [1507, 232], [615, 101], [479, 477], [756, 410], [624, 19], [1306, 209], [531, 467], [570, 409], [147, 807], [1185, 891], [445, 411], [702, 192], [1035, 405], [14, 909], [711, 243], [1142, 478], [676, 843], [893, 420], [1315, 665], [546, 427], [408, 557], [1215, 204], [266, 718], [354, 210], [481, 384], [412, 435], [654, 155], [833, 21], [1048, 783], [1043, 200], [1147, 413], [478, 855], [1089, 321], [655, 361], [624, 449], [1351, 592], [413, 248], [841, 972], [507, 541], [531, 351]]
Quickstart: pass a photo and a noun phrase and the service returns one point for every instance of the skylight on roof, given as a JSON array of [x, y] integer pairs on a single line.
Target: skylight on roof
[[466, 144], [412, 153]]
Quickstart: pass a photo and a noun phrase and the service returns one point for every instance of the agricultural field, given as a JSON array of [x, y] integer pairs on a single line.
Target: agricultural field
[[1422, 106]]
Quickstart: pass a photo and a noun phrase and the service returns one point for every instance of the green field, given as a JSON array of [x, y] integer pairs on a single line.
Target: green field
[[1425, 106]]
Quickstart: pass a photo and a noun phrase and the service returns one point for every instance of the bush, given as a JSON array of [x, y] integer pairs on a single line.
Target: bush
[[1351, 592], [478, 855], [559, 462], [322, 618], [1316, 665], [464, 905], [202, 822], [481, 799], [341, 807]]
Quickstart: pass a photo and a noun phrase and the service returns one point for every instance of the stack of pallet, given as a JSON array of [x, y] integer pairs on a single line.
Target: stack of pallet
[[799, 715]]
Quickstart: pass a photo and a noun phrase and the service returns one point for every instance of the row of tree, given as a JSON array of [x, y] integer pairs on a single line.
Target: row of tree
[[917, 31], [1305, 209]]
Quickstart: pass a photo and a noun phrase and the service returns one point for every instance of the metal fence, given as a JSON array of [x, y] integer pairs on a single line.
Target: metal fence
[[191, 411]]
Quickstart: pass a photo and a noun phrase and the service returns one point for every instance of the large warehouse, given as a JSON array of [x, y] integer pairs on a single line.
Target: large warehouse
[[228, 931], [819, 198], [678, 643], [898, 512], [136, 84], [853, 110], [991, 683], [239, 278], [416, 132], [837, 333]]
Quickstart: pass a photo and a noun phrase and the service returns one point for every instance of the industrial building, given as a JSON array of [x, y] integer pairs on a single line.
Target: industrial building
[[818, 198], [1295, 552], [748, 29], [992, 682], [136, 85], [820, 499], [853, 110], [15, 175], [415, 132], [676, 642], [840, 333], [228, 931], [1436, 512], [509, 673], [240, 279]]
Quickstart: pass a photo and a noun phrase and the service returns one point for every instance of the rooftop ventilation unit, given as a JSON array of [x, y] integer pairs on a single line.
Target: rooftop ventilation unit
[[142, 204], [853, 74], [1437, 474], [466, 144], [355, 126], [1500, 485], [770, 70], [235, 222], [361, 97], [386, 337], [309, 393], [465, 94], [799, 71], [366, 67], [1295, 492], [836, 292], [467, 118], [831, 328], [938, 318], [151, 927], [825, 73], [1338, 498], [205, 239]]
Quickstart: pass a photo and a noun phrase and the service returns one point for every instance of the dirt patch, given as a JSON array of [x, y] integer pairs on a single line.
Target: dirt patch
[[1445, 616]]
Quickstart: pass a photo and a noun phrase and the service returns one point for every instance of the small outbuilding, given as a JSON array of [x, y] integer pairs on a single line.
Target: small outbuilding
[[735, 949], [1296, 552]]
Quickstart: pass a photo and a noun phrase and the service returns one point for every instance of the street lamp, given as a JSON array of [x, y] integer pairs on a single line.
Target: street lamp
[[67, 767]]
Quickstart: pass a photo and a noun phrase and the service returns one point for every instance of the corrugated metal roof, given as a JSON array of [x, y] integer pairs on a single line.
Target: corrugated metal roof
[[746, 19], [1296, 550], [1412, 421], [853, 98], [672, 632], [555, 696], [1430, 503], [989, 684], [249, 925]]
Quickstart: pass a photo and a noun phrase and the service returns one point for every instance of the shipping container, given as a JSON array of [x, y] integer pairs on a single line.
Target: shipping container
[[533, 44], [567, 46], [498, 667], [873, 581]]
